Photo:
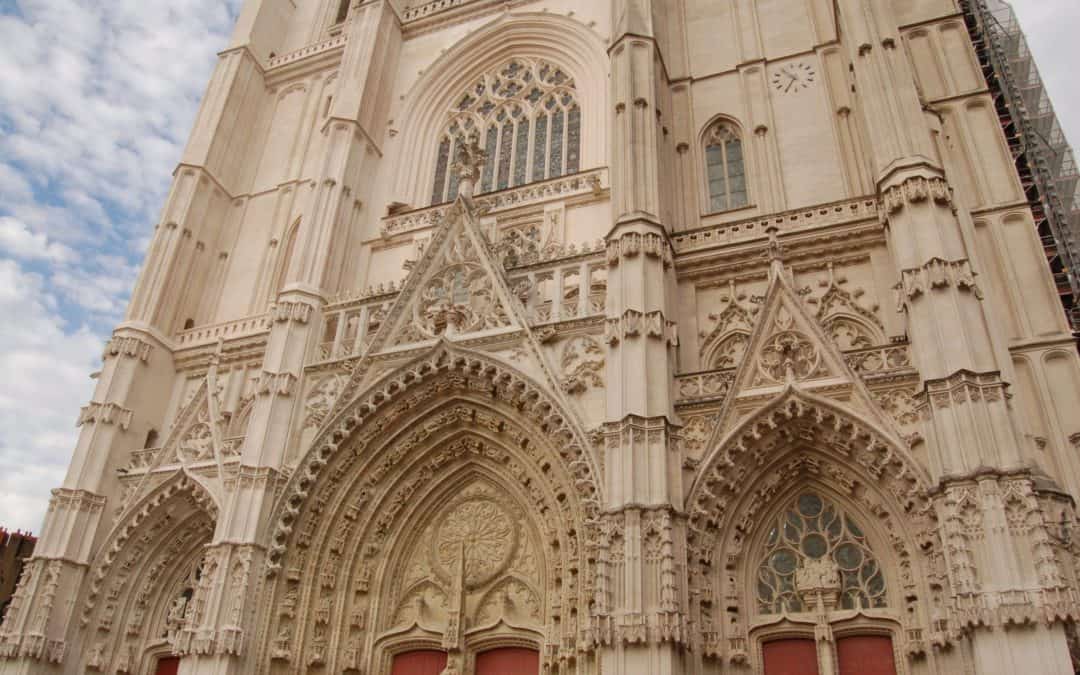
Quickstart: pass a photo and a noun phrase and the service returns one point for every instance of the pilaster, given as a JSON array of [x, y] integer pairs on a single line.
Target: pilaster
[[971, 434], [639, 624], [38, 625]]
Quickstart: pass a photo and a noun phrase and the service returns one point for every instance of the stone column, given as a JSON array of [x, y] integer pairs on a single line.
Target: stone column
[[237, 554], [984, 494], [639, 621]]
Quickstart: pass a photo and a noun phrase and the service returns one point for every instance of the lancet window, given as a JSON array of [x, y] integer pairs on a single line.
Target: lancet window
[[814, 532], [725, 167], [526, 116]]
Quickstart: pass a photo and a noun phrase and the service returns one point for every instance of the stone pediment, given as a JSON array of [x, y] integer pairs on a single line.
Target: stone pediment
[[790, 348], [457, 293]]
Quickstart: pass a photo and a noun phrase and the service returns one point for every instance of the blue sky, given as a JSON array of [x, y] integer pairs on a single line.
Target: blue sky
[[96, 100]]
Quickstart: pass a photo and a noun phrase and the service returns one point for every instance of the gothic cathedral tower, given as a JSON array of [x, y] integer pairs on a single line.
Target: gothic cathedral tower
[[507, 337]]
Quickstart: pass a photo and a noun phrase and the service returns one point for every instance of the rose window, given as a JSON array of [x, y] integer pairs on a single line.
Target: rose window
[[812, 530]]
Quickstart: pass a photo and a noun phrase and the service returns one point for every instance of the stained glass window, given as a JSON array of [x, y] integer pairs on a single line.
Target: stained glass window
[[490, 145], [573, 141], [506, 153], [810, 529], [441, 165], [725, 168], [530, 125], [557, 122], [539, 147]]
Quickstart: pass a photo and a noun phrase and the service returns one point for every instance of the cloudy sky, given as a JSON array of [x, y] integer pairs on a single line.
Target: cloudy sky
[[96, 100]]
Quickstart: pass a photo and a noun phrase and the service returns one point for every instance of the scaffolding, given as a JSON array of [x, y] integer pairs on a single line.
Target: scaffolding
[[1043, 158]]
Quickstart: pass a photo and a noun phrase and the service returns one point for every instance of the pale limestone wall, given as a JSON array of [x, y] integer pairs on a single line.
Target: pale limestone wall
[[627, 387]]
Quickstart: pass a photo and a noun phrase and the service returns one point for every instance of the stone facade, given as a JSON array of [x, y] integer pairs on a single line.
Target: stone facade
[[647, 335]]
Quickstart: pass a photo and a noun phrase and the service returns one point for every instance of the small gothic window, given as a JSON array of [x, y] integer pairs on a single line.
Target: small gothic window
[[725, 168], [810, 530], [526, 116]]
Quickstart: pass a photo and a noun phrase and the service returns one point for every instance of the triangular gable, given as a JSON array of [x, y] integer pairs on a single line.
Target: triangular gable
[[789, 348], [457, 290]]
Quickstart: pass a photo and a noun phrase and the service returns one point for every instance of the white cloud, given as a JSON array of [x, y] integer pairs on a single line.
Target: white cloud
[[16, 240], [96, 102], [48, 369]]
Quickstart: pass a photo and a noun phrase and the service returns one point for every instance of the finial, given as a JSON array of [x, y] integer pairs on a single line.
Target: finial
[[470, 159]]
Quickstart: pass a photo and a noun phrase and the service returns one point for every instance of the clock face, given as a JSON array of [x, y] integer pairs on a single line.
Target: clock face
[[793, 77]]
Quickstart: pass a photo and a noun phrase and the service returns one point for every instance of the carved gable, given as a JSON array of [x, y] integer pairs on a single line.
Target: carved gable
[[789, 348], [456, 289]]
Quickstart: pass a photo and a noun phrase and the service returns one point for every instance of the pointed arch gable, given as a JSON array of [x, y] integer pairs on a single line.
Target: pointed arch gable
[[126, 597], [417, 434], [436, 375], [806, 424], [561, 40]]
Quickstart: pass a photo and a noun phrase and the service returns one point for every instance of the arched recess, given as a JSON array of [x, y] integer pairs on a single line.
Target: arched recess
[[151, 557], [801, 443], [560, 40], [358, 556]]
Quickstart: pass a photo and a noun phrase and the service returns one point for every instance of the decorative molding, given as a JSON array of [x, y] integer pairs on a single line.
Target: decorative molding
[[282, 312], [105, 413], [276, 384], [914, 190], [835, 213], [934, 274], [630, 244], [634, 324], [128, 346], [583, 184]]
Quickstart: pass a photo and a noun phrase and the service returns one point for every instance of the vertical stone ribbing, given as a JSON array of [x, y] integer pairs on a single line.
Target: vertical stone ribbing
[[971, 434]]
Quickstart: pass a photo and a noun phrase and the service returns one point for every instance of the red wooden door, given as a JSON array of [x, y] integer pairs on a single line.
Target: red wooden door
[[866, 655], [168, 666], [790, 657], [510, 661], [429, 662]]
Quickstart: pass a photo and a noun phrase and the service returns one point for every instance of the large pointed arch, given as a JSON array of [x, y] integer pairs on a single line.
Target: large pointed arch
[[562, 40], [153, 547], [404, 442], [801, 440]]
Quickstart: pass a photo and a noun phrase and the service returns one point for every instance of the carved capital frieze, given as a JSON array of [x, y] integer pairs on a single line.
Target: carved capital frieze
[[276, 384], [914, 190], [934, 275], [128, 347], [28, 623], [82, 501], [961, 387], [633, 324], [632, 244], [282, 312], [105, 413]]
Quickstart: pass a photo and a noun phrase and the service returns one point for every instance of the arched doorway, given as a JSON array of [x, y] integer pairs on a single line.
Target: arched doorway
[[422, 662], [865, 655], [508, 661], [790, 657], [168, 666]]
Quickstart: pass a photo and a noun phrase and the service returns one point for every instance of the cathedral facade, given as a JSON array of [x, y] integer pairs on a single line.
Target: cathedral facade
[[512, 337]]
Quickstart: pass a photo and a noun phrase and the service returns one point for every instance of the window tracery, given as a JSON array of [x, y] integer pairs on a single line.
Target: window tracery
[[527, 117], [725, 167], [812, 532]]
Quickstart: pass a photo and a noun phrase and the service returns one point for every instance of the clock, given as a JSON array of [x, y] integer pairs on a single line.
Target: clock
[[793, 77]]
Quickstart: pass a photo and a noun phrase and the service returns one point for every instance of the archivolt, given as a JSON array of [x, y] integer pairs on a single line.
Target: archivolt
[[820, 434], [126, 597], [142, 518], [393, 401], [438, 425]]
